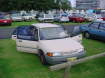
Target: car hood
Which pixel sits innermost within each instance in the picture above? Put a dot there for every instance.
(61, 45)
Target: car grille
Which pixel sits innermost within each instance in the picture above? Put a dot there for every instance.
(69, 53)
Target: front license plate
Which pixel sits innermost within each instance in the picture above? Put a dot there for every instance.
(72, 59)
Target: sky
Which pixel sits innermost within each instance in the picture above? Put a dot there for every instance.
(73, 3)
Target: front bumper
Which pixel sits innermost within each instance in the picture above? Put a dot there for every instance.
(8, 23)
(61, 59)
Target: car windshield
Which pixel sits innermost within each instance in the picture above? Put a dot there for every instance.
(50, 33)
(57, 15)
(16, 15)
(48, 16)
(2, 18)
(5, 17)
(65, 14)
(28, 14)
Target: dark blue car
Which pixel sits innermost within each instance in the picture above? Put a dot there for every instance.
(94, 29)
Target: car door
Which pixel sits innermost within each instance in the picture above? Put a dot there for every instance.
(94, 28)
(102, 30)
(27, 40)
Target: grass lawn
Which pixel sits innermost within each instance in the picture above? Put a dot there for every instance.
(14, 64)
(15, 24)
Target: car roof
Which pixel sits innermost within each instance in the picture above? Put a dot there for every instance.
(100, 21)
(44, 25)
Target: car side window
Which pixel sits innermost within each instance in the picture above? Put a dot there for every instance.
(102, 26)
(41, 16)
(94, 25)
(26, 33)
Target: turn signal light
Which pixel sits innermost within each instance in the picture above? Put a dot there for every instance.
(49, 54)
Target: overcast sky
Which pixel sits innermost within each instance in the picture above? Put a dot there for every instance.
(73, 3)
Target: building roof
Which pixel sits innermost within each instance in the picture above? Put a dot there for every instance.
(43, 25)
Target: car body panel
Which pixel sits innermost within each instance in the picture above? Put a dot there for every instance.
(61, 18)
(76, 19)
(67, 47)
(16, 17)
(5, 21)
(46, 18)
(94, 31)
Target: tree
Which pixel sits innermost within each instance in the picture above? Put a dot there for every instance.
(44, 5)
(66, 5)
(63, 4)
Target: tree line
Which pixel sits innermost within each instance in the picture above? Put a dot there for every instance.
(8, 5)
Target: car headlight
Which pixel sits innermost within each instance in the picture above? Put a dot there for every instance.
(54, 54)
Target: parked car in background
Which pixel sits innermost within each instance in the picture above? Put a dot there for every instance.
(98, 17)
(5, 20)
(28, 17)
(76, 18)
(61, 18)
(45, 18)
(50, 42)
(16, 17)
(103, 17)
(94, 29)
(90, 17)
(33, 15)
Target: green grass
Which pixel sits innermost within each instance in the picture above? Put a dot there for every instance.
(14, 64)
(15, 24)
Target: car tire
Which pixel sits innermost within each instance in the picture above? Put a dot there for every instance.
(42, 58)
(87, 35)
(9, 24)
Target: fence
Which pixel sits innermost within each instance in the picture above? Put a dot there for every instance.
(69, 64)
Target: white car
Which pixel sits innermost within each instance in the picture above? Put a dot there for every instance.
(98, 17)
(89, 17)
(16, 17)
(28, 17)
(46, 18)
(61, 18)
(50, 41)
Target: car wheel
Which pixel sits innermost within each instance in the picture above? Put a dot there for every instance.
(87, 35)
(9, 24)
(42, 58)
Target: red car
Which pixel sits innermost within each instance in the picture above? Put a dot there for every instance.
(75, 18)
(5, 21)
(103, 18)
